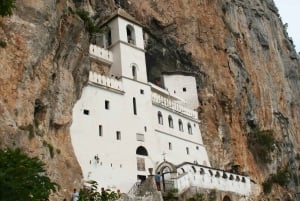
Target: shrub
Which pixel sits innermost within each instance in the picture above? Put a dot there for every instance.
(91, 193)
(23, 178)
(6, 7)
(50, 147)
(262, 143)
(282, 178)
(88, 22)
(3, 44)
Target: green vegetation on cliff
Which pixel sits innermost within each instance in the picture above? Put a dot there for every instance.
(23, 178)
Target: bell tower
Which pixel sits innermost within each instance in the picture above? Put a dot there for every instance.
(124, 38)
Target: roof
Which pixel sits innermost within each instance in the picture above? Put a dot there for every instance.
(179, 73)
(123, 14)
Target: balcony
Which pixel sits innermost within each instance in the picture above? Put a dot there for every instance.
(106, 82)
(101, 54)
(172, 105)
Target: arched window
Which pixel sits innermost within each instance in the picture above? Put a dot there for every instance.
(180, 125)
(141, 151)
(194, 169)
(130, 34)
(133, 69)
(170, 119)
(190, 128)
(202, 171)
(226, 198)
(160, 118)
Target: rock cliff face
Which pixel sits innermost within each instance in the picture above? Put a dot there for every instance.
(246, 65)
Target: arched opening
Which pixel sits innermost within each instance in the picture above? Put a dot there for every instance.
(217, 174)
(170, 119)
(180, 125)
(130, 34)
(160, 118)
(107, 37)
(194, 169)
(202, 171)
(226, 198)
(141, 151)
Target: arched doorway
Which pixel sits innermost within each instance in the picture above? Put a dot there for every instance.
(226, 198)
(166, 170)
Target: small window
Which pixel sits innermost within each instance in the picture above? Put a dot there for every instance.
(180, 125)
(142, 91)
(118, 135)
(106, 104)
(134, 106)
(160, 118)
(100, 130)
(190, 131)
(133, 68)
(86, 112)
(187, 151)
(170, 119)
(170, 146)
(184, 89)
(197, 148)
(145, 128)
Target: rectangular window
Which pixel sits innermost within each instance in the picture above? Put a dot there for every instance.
(140, 137)
(170, 146)
(142, 91)
(100, 130)
(86, 112)
(134, 106)
(187, 151)
(106, 104)
(141, 164)
(184, 89)
(118, 135)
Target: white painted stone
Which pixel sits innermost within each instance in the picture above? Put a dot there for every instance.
(108, 103)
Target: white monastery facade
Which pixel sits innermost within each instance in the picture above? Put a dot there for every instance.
(123, 126)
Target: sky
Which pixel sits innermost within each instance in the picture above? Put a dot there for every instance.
(289, 11)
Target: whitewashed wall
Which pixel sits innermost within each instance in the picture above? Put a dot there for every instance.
(175, 84)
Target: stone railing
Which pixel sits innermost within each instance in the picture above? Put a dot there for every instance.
(210, 178)
(168, 103)
(101, 53)
(107, 82)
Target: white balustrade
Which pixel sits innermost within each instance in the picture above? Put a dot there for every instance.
(209, 178)
(108, 82)
(101, 53)
(166, 102)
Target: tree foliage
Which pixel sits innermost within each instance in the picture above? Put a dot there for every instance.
(6, 7)
(23, 178)
(91, 193)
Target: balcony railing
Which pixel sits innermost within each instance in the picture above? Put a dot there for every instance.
(101, 54)
(107, 82)
(168, 103)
